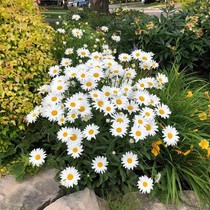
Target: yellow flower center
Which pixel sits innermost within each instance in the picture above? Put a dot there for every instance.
(148, 127)
(107, 93)
(138, 133)
(89, 84)
(119, 130)
(95, 95)
(83, 53)
(83, 75)
(60, 87)
(130, 107)
(144, 58)
(54, 112)
(137, 54)
(161, 111)
(147, 114)
(72, 104)
(129, 160)
(75, 150)
(38, 157)
(100, 164)
(145, 184)
(120, 120)
(91, 131)
(54, 71)
(170, 135)
(73, 137)
(54, 98)
(118, 101)
(140, 121)
(65, 134)
(73, 116)
(81, 109)
(100, 103)
(141, 98)
(70, 176)
(108, 109)
(96, 74)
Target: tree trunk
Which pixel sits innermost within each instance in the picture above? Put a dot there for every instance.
(65, 4)
(100, 5)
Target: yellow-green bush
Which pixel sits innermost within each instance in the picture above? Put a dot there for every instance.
(25, 51)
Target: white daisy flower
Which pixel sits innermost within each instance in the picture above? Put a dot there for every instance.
(66, 62)
(76, 32)
(69, 177)
(37, 157)
(116, 38)
(145, 65)
(44, 89)
(99, 103)
(124, 57)
(170, 135)
(109, 108)
(145, 57)
(121, 118)
(75, 137)
(150, 81)
(151, 127)
(104, 28)
(54, 70)
(91, 131)
(117, 70)
(120, 102)
(129, 160)
(142, 97)
(69, 51)
(99, 164)
(139, 120)
(147, 113)
(72, 103)
(75, 150)
(130, 73)
(136, 54)
(83, 52)
(138, 133)
(84, 108)
(53, 112)
(33, 115)
(61, 120)
(118, 129)
(163, 111)
(64, 134)
(53, 98)
(72, 116)
(161, 78)
(70, 72)
(145, 184)
(132, 107)
(107, 91)
(97, 74)
(96, 56)
(75, 17)
(83, 75)
(89, 84)
(61, 30)
(142, 84)
(154, 100)
(154, 64)
(94, 94)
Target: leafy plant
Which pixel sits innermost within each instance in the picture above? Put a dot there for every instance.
(25, 49)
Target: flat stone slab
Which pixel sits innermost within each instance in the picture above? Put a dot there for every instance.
(30, 194)
(81, 200)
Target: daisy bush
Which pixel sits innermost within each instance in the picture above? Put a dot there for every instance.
(113, 119)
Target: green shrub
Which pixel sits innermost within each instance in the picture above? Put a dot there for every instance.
(25, 51)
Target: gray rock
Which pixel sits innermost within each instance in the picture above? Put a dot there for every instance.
(31, 194)
(81, 200)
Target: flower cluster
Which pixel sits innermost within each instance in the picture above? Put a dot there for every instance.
(104, 98)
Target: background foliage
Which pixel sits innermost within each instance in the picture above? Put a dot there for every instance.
(25, 51)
